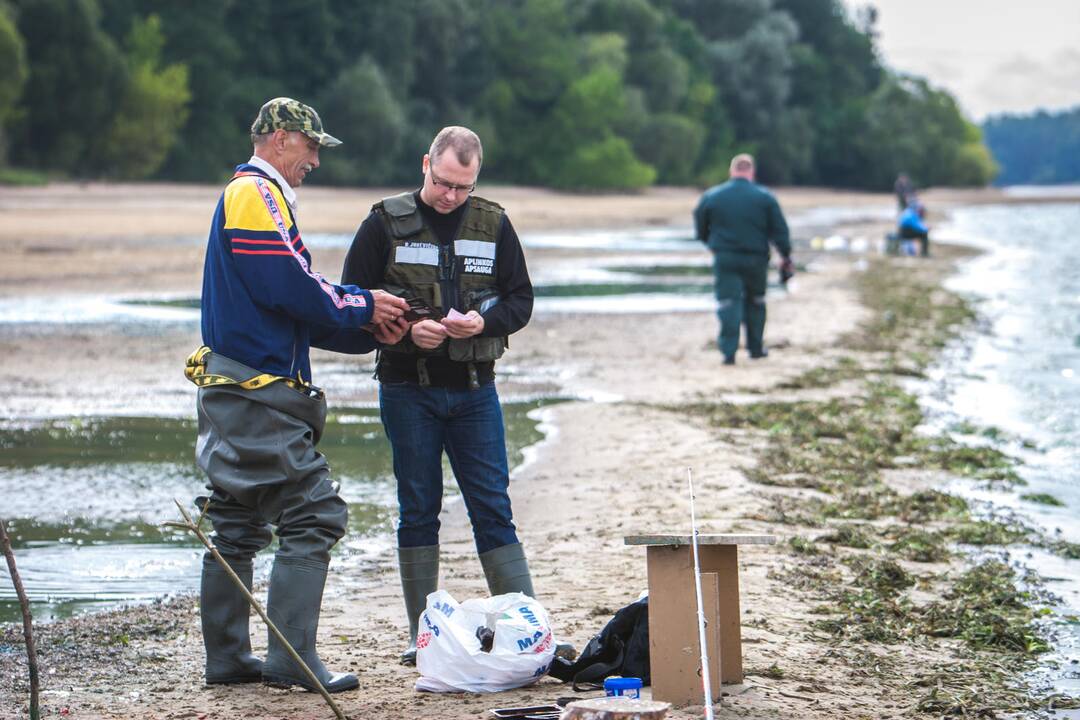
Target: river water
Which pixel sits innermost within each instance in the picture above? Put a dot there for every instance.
(1020, 372)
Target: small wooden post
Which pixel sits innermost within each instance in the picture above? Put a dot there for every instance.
(723, 561)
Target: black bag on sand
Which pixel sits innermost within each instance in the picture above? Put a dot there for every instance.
(621, 648)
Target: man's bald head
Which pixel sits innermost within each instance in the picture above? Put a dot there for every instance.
(742, 166)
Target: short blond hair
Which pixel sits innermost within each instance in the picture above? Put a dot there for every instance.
(463, 141)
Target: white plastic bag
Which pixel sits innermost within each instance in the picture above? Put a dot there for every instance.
(448, 651)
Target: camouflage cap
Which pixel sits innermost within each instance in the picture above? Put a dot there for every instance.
(287, 114)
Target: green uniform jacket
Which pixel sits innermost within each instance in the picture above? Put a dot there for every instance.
(741, 217)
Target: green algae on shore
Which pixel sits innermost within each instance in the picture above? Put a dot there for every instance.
(860, 538)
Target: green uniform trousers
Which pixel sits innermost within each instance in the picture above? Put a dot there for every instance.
(741, 282)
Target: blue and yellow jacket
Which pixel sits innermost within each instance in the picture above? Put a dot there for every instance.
(262, 304)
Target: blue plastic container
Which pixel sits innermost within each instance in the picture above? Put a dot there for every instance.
(623, 687)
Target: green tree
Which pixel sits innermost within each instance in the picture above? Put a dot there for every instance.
(587, 151)
(151, 111)
(742, 48)
(608, 163)
(532, 45)
(835, 69)
(359, 100)
(224, 97)
(915, 128)
(672, 144)
(13, 59)
(77, 75)
(1038, 148)
(575, 93)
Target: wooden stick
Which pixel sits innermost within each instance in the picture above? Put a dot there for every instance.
(28, 632)
(196, 528)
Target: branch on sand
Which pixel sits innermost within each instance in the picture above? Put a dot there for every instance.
(195, 527)
(24, 603)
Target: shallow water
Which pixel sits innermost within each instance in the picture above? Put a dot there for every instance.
(84, 499)
(1020, 372)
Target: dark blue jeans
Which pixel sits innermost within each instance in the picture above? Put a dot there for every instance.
(422, 422)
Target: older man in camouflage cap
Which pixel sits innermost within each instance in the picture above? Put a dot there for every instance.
(292, 116)
(260, 418)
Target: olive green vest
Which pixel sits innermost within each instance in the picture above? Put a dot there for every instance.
(418, 266)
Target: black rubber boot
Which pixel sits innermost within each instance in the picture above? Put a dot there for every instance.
(507, 570)
(419, 567)
(293, 605)
(225, 613)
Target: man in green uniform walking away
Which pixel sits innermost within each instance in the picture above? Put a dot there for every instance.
(738, 220)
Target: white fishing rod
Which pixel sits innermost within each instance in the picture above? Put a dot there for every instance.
(707, 685)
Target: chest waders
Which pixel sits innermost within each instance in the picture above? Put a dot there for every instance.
(459, 274)
(257, 437)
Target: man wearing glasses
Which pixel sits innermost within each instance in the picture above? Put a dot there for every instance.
(458, 261)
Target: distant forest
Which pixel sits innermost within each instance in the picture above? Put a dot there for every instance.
(575, 94)
(1038, 149)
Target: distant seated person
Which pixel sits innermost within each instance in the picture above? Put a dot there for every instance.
(913, 228)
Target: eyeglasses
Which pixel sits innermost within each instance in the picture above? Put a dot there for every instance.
(445, 186)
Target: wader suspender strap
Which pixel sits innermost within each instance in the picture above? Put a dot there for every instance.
(195, 371)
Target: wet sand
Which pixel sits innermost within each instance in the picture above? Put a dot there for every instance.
(612, 464)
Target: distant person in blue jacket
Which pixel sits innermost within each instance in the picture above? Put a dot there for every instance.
(738, 221)
(912, 227)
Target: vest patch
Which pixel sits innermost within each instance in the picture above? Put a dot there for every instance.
(480, 266)
(417, 254)
(475, 248)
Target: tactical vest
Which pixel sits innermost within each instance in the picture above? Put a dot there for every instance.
(465, 270)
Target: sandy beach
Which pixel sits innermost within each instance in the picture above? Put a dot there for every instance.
(612, 462)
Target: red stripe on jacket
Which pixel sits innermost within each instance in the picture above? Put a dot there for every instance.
(261, 252)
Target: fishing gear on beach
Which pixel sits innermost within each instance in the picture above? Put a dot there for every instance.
(705, 682)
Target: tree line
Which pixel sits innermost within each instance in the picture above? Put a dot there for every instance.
(1040, 148)
(573, 94)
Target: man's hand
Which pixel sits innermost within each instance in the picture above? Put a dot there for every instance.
(387, 307)
(390, 333)
(428, 334)
(787, 269)
(471, 324)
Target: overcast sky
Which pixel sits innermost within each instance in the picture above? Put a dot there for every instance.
(993, 55)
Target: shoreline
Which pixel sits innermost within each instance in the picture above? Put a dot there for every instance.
(571, 529)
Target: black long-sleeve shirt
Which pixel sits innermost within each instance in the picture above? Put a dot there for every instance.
(365, 265)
